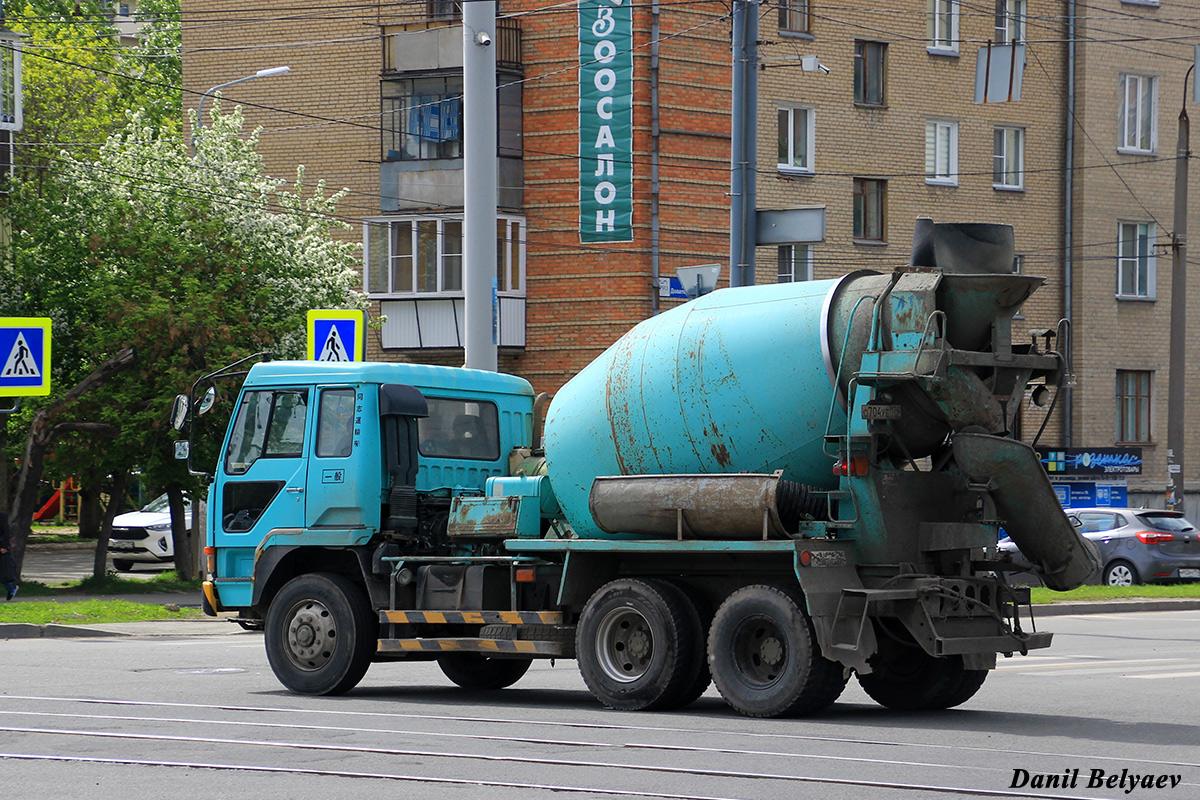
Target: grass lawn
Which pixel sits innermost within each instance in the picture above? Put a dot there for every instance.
(66, 611)
(1043, 595)
(89, 612)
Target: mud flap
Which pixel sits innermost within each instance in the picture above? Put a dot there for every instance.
(1025, 500)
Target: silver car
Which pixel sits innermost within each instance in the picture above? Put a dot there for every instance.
(1141, 545)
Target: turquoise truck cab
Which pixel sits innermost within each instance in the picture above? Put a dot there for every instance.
(321, 459)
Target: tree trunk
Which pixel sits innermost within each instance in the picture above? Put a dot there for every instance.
(181, 535)
(100, 564)
(91, 513)
(41, 434)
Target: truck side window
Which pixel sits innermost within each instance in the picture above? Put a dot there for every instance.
(268, 424)
(285, 436)
(335, 423)
(460, 429)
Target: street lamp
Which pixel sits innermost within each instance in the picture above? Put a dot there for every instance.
(262, 73)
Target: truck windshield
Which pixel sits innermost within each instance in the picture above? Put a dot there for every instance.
(269, 423)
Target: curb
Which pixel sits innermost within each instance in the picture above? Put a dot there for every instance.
(27, 630)
(50, 547)
(1115, 607)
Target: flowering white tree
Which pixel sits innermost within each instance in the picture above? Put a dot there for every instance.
(194, 259)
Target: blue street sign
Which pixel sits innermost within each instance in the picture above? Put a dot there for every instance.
(336, 335)
(24, 356)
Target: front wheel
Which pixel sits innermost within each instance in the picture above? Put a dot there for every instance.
(765, 658)
(320, 634)
(1120, 573)
(483, 673)
(122, 565)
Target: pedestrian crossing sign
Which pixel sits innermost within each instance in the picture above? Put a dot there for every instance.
(24, 356)
(337, 335)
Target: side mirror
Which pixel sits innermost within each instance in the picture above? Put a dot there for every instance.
(207, 402)
(179, 411)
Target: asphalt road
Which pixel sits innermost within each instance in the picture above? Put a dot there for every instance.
(202, 716)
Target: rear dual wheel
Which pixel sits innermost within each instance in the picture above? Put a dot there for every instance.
(640, 646)
(764, 656)
(912, 680)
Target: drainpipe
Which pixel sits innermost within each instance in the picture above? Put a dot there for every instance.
(1069, 217)
(654, 132)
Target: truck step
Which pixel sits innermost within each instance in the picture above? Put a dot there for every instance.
(471, 617)
(468, 645)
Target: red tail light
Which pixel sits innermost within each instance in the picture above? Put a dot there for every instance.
(1153, 537)
(853, 467)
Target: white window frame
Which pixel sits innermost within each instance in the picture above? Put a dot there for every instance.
(1010, 21)
(1137, 129)
(1135, 250)
(1135, 407)
(795, 263)
(942, 27)
(787, 162)
(1003, 139)
(941, 142)
(378, 254)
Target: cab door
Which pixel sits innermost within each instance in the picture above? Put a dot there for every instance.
(263, 473)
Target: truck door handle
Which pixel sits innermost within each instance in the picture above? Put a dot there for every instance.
(295, 489)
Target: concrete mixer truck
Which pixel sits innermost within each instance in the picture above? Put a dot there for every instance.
(769, 488)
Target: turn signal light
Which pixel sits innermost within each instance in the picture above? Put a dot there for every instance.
(853, 466)
(523, 575)
(1151, 537)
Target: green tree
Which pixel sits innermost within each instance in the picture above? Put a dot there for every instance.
(191, 260)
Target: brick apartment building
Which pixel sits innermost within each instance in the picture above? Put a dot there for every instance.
(847, 160)
(371, 103)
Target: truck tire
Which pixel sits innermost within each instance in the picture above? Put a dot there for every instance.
(636, 644)
(483, 673)
(764, 655)
(700, 615)
(320, 634)
(913, 680)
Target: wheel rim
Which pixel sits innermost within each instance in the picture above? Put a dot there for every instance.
(1120, 575)
(759, 651)
(624, 645)
(311, 633)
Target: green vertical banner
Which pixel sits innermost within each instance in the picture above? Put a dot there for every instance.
(605, 121)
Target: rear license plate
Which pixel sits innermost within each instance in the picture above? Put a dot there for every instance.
(1189, 573)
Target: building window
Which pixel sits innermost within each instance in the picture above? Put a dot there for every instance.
(1135, 260)
(941, 153)
(942, 26)
(1010, 21)
(1133, 406)
(870, 198)
(1138, 114)
(795, 263)
(443, 9)
(422, 118)
(796, 128)
(869, 72)
(795, 16)
(424, 256)
(1008, 158)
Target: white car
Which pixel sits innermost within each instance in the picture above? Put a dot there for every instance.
(145, 536)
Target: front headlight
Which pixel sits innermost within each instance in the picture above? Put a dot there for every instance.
(166, 526)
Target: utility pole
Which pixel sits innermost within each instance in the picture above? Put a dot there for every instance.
(480, 184)
(743, 192)
(1177, 388)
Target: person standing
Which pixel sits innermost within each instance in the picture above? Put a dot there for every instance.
(8, 564)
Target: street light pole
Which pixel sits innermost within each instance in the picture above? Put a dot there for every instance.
(1177, 387)
(262, 73)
